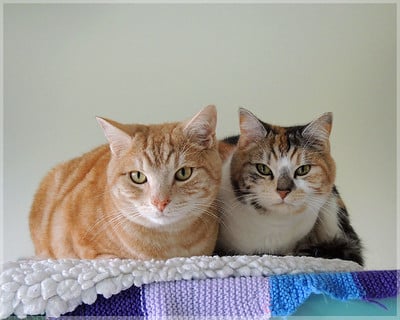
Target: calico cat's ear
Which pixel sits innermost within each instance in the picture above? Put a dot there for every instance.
(201, 128)
(251, 128)
(319, 129)
(118, 139)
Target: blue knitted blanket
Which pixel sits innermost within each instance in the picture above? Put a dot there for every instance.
(250, 297)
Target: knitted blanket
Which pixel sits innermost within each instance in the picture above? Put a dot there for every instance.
(242, 297)
(198, 286)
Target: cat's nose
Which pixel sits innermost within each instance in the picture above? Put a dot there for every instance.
(160, 204)
(283, 193)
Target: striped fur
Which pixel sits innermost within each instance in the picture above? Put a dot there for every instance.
(90, 207)
(291, 206)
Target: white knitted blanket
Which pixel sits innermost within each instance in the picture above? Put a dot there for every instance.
(55, 287)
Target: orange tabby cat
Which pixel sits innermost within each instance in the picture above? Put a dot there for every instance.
(149, 194)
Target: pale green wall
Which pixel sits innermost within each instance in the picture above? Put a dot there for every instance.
(65, 64)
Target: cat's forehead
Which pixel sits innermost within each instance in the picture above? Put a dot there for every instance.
(159, 145)
(285, 136)
(143, 131)
(282, 142)
(284, 147)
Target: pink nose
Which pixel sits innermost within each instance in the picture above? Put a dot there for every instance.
(160, 204)
(283, 193)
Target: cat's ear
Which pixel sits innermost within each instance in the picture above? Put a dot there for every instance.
(318, 131)
(251, 128)
(201, 128)
(117, 138)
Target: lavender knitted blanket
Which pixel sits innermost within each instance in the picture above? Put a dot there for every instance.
(200, 287)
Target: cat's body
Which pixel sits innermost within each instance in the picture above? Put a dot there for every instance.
(278, 193)
(149, 194)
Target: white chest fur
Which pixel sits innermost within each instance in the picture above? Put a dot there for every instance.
(244, 230)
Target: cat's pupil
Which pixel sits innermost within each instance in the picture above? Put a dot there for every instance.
(263, 169)
(138, 177)
(183, 173)
(303, 170)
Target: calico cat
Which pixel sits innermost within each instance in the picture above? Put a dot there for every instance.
(278, 193)
(149, 194)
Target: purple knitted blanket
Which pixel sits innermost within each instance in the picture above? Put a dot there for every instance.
(254, 297)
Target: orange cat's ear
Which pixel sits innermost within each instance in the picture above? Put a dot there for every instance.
(201, 128)
(251, 128)
(118, 139)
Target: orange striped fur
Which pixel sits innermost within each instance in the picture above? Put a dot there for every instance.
(93, 206)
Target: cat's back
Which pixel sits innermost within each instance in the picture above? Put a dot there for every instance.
(65, 176)
(70, 179)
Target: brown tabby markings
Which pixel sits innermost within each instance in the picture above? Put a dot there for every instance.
(87, 207)
(278, 194)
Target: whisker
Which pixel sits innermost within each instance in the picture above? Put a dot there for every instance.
(109, 219)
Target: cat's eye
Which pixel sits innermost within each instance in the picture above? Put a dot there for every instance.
(138, 177)
(263, 169)
(183, 173)
(302, 170)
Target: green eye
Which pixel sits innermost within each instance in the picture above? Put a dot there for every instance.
(183, 173)
(263, 169)
(303, 170)
(138, 177)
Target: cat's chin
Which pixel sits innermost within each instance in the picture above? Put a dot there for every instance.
(158, 221)
(286, 208)
(164, 220)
